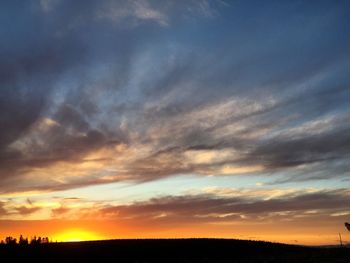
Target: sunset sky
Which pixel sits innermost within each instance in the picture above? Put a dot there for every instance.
(163, 119)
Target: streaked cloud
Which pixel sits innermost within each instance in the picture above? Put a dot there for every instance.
(218, 205)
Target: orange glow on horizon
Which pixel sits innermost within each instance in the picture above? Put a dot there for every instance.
(80, 230)
(76, 235)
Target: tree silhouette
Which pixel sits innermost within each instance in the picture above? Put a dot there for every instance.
(23, 241)
(35, 240)
(44, 240)
(10, 240)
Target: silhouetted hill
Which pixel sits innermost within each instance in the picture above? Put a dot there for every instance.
(172, 250)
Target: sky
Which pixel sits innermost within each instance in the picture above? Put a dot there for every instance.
(163, 119)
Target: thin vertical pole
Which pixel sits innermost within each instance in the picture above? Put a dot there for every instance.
(341, 242)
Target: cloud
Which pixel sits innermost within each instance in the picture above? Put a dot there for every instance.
(100, 92)
(24, 211)
(213, 207)
(139, 10)
(128, 13)
(11, 209)
(3, 211)
(57, 212)
(48, 5)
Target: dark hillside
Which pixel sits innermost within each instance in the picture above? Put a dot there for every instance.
(172, 250)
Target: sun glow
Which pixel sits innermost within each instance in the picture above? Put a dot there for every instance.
(76, 235)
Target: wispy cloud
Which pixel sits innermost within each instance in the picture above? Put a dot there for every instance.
(216, 207)
(102, 101)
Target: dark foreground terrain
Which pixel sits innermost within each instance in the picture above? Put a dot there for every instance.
(171, 250)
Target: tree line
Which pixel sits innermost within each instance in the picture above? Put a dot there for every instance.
(25, 241)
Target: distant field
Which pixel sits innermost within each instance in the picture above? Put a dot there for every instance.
(172, 250)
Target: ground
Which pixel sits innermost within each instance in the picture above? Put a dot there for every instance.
(173, 250)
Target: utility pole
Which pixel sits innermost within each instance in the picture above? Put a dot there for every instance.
(341, 242)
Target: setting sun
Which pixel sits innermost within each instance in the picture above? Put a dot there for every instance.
(76, 235)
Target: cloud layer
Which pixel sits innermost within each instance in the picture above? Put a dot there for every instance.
(94, 92)
(316, 210)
